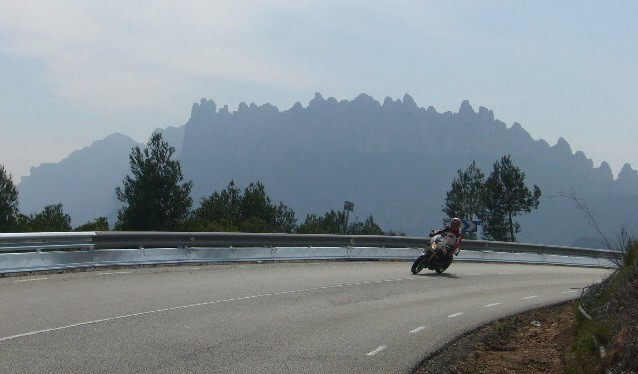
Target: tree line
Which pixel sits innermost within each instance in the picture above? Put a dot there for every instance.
(495, 201)
(155, 197)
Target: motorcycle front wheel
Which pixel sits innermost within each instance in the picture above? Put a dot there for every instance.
(419, 264)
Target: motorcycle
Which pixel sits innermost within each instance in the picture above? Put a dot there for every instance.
(435, 256)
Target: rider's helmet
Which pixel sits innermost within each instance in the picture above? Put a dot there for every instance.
(455, 222)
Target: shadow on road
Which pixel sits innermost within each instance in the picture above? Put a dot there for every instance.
(434, 274)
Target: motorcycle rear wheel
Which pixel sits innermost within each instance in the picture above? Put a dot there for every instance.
(442, 265)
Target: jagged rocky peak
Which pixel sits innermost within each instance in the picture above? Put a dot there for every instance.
(388, 102)
(518, 129)
(580, 155)
(364, 99)
(543, 143)
(224, 110)
(409, 101)
(582, 158)
(204, 108)
(466, 108)
(317, 101)
(604, 171)
(485, 114)
(242, 107)
(627, 173)
(563, 147)
(296, 108)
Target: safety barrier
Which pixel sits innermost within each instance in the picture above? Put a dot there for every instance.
(51, 251)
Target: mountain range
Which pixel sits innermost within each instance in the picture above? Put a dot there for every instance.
(394, 160)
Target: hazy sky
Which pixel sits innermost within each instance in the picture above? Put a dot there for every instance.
(75, 71)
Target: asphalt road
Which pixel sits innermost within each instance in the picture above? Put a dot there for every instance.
(323, 317)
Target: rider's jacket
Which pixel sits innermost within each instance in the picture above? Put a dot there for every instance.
(452, 237)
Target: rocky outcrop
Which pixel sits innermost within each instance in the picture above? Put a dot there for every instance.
(394, 159)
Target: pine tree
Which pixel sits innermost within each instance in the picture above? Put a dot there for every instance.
(8, 202)
(465, 199)
(51, 219)
(154, 196)
(506, 196)
(250, 211)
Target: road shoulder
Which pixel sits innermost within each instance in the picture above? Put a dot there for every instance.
(536, 341)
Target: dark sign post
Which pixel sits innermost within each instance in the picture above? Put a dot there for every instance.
(347, 207)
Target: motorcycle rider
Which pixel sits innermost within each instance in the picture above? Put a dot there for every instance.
(451, 242)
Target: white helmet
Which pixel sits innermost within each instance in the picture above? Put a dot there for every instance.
(455, 222)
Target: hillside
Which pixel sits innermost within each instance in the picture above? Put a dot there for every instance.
(84, 182)
(394, 160)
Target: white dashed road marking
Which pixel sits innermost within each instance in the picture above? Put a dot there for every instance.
(31, 280)
(454, 315)
(528, 297)
(420, 328)
(379, 349)
(491, 305)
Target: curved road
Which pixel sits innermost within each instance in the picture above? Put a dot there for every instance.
(323, 317)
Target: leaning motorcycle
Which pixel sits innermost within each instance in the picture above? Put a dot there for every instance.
(435, 257)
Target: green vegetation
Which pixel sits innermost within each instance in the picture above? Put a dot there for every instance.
(154, 197)
(505, 196)
(8, 202)
(52, 218)
(250, 211)
(334, 222)
(495, 200)
(612, 308)
(98, 224)
(465, 199)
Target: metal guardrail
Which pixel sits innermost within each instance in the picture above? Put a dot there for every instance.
(49, 251)
(45, 241)
(230, 239)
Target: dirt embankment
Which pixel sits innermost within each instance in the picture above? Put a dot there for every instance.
(538, 341)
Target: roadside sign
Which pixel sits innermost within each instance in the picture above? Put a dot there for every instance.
(469, 226)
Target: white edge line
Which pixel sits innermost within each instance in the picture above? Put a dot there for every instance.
(5, 338)
(379, 349)
(31, 280)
